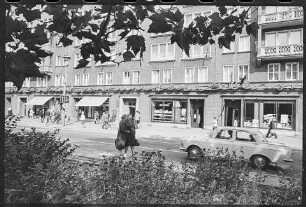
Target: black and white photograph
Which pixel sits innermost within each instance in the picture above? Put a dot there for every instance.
(153, 104)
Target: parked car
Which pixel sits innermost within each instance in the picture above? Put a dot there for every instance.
(252, 142)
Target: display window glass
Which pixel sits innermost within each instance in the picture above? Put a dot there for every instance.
(169, 111)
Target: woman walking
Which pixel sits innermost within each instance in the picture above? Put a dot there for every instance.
(82, 118)
(126, 134)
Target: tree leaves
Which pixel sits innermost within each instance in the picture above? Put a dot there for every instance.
(136, 43)
(222, 10)
(128, 55)
(82, 63)
(159, 24)
(252, 28)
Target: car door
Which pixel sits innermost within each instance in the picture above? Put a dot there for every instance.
(245, 144)
(223, 139)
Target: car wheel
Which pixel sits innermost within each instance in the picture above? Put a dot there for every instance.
(259, 161)
(194, 152)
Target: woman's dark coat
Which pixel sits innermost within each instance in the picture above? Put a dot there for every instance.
(126, 132)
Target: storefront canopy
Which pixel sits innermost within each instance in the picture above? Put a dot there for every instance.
(39, 100)
(91, 101)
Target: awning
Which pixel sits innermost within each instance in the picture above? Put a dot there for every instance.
(39, 100)
(91, 101)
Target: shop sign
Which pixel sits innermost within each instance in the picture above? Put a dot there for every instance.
(64, 99)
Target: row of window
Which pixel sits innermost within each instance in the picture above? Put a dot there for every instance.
(284, 38)
(192, 74)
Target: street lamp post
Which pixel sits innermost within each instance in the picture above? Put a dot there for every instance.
(63, 113)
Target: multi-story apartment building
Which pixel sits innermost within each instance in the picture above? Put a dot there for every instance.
(168, 87)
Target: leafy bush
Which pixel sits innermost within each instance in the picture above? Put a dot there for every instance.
(46, 177)
(27, 151)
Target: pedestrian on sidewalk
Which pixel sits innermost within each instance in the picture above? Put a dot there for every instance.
(31, 114)
(215, 123)
(47, 116)
(9, 112)
(126, 132)
(96, 117)
(82, 118)
(104, 120)
(29, 111)
(137, 119)
(42, 115)
(271, 131)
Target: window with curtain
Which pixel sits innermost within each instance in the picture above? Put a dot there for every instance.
(85, 79)
(57, 80)
(155, 76)
(203, 74)
(77, 79)
(273, 71)
(109, 78)
(136, 77)
(167, 76)
(292, 71)
(126, 77)
(189, 75)
(244, 43)
(101, 78)
(243, 71)
(228, 73)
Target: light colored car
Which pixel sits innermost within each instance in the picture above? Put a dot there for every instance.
(252, 142)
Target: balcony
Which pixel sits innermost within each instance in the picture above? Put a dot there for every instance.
(295, 50)
(45, 68)
(283, 17)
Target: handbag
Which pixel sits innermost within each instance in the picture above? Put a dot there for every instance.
(136, 143)
(119, 143)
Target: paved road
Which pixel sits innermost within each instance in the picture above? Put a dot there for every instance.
(93, 144)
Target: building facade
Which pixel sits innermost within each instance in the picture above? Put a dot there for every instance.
(168, 87)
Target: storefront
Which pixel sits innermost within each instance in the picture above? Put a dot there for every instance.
(39, 103)
(257, 111)
(171, 111)
(90, 104)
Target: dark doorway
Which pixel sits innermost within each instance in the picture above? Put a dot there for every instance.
(197, 113)
(129, 106)
(23, 109)
(232, 113)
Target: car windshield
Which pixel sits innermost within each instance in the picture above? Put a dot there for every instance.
(259, 135)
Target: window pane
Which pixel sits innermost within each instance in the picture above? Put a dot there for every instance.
(288, 71)
(285, 116)
(180, 111)
(283, 38)
(295, 71)
(162, 51)
(170, 50)
(154, 51)
(249, 117)
(296, 37)
(202, 74)
(270, 39)
(155, 76)
(268, 113)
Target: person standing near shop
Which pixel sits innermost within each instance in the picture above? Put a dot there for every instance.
(47, 116)
(215, 123)
(42, 115)
(271, 131)
(31, 114)
(82, 118)
(137, 119)
(9, 111)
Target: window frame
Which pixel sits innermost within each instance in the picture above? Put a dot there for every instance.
(193, 75)
(107, 78)
(233, 69)
(77, 79)
(167, 69)
(133, 77)
(57, 80)
(152, 77)
(167, 57)
(206, 68)
(279, 66)
(101, 78)
(85, 81)
(248, 46)
(125, 78)
(248, 72)
(297, 76)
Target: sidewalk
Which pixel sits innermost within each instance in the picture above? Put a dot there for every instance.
(289, 138)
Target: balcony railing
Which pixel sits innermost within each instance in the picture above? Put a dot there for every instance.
(296, 49)
(293, 14)
(46, 68)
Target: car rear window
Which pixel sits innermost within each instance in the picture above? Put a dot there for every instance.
(224, 134)
(245, 136)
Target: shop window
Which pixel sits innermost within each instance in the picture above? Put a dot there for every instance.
(250, 120)
(269, 111)
(285, 116)
(169, 111)
(163, 111)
